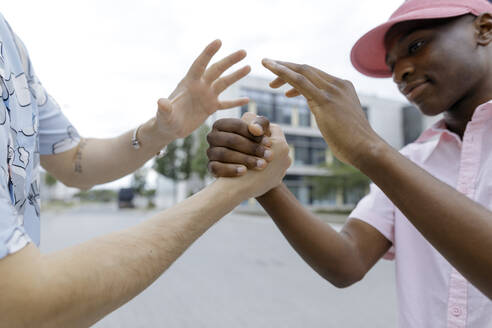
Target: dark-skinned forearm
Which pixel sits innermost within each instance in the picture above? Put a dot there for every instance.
(459, 228)
(328, 252)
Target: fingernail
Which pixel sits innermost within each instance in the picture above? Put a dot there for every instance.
(240, 169)
(257, 129)
(260, 163)
(267, 154)
(266, 141)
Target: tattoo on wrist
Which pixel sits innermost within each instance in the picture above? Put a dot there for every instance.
(78, 156)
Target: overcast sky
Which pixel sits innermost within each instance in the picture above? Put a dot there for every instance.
(107, 62)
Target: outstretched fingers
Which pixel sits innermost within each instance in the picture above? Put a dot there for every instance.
(300, 82)
(292, 93)
(320, 79)
(227, 104)
(217, 69)
(277, 83)
(200, 64)
(322, 76)
(226, 81)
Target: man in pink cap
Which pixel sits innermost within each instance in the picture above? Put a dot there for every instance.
(429, 206)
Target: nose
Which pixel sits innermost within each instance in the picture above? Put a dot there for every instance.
(401, 71)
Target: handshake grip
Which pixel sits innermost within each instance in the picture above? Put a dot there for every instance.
(249, 146)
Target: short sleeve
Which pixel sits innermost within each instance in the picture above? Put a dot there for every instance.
(13, 237)
(378, 211)
(56, 133)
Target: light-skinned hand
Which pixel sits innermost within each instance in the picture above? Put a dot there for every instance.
(197, 95)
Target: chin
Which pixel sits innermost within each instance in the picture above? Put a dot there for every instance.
(430, 108)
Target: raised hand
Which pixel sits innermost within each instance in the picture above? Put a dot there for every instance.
(239, 144)
(335, 105)
(197, 96)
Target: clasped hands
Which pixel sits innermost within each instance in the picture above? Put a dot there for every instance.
(251, 143)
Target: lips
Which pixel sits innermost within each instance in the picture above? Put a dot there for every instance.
(414, 89)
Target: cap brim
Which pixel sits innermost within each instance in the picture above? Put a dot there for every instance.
(369, 53)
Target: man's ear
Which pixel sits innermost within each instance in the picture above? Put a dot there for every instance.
(483, 27)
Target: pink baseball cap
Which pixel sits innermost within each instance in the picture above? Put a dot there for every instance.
(369, 54)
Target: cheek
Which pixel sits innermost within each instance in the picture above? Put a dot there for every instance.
(452, 75)
(455, 64)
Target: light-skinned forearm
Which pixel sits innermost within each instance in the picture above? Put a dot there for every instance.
(105, 160)
(328, 252)
(78, 286)
(97, 161)
(459, 228)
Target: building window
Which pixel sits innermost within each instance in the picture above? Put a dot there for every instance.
(318, 156)
(302, 156)
(319, 149)
(287, 109)
(264, 105)
(353, 194)
(329, 198)
(308, 150)
(299, 187)
(286, 115)
(264, 102)
(278, 108)
(412, 124)
(244, 109)
(304, 116)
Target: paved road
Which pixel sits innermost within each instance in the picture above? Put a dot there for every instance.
(241, 273)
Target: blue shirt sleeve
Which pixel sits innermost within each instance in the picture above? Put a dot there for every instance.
(56, 133)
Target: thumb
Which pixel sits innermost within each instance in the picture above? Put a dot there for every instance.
(257, 125)
(164, 106)
(277, 132)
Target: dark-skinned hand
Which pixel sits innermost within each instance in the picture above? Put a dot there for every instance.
(236, 145)
(335, 105)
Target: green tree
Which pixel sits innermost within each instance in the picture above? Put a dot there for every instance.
(150, 195)
(200, 160)
(139, 180)
(341, 177)
(185, 157)
(168, 165)
(50, 180)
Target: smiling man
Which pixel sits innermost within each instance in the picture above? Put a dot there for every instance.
(429, 206)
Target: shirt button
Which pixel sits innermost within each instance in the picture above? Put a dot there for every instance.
(456, 311)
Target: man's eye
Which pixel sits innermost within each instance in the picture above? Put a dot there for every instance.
(413, 47)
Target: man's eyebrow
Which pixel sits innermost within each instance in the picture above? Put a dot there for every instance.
(409, 33)
(404, 37)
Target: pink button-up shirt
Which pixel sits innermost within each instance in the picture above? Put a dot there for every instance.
(431, 293)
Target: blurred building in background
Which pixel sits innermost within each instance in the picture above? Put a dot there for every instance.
(316, 178)
(397, 122)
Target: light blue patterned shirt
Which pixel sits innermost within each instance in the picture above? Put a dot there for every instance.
(31, 123)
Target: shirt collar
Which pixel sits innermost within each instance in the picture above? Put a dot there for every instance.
(481, 114)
